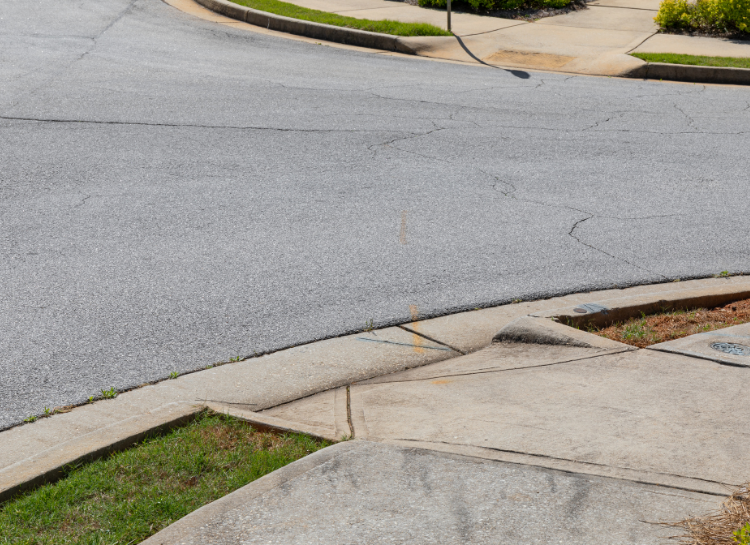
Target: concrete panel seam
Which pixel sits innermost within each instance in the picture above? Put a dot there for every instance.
(405, 327)
(552, 460)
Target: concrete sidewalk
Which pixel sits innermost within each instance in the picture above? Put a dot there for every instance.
(362, 492)
(563, 437)
(596, 40)
(541, 432)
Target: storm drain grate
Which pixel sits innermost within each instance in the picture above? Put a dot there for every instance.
(732, 348)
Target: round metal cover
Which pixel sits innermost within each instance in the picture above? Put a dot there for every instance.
(593, 308)
(732, 348)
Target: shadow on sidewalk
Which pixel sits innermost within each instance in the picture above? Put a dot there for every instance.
(518, 73)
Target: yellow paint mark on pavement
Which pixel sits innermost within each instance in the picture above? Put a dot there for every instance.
(417, 340)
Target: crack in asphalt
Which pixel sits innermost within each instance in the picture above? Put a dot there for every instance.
(510, 194)
(564, 130)
(93, 39)
(595, 125)
(412, 135)
(677, 93)
(401, 138)
(191, 126)
(113, 22)
(573, 236)
(691, 121)
(82, 202)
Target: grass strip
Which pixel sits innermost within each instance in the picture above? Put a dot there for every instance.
(129, 496)
(666, 326)
(693, 60)
(385, 26)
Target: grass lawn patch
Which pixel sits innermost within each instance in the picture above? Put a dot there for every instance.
(386, 26)
(666, 326)
(673, 58)
(130, 495)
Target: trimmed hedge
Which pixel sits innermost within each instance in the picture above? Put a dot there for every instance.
(705, 15)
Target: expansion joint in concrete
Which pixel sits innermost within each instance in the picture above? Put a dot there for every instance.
(349, 411)
(599, 470)
(431, 339)
(523, 368)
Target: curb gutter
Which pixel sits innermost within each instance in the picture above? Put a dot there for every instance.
(31, 458)
(692, 74)
(318, 31)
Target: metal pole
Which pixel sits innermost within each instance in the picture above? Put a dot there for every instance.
(449, 15)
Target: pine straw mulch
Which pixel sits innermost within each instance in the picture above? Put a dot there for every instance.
(666, 326)
(718, 528)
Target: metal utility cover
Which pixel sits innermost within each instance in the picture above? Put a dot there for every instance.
(730, 346)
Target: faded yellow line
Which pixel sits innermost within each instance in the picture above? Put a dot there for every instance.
(417, 340)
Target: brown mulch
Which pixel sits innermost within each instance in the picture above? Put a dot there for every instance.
(657, 328)
(718, 528)
(525, 14)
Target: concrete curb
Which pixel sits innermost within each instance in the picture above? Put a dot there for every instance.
(31, 457)
(386, 42)
(692, 74)
(310, 29)
(49, 465)
(606, 312)
(535, 330)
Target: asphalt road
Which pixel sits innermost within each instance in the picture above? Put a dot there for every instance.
(174, 193)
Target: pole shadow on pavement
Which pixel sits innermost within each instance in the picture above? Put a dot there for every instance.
(518, 73)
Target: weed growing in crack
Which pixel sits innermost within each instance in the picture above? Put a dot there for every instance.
(174, 374)
(369, 326)
(30, 419)
(109, 394)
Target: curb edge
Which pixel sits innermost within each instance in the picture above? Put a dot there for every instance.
(691, 74)
(300, 27)
(50, 465)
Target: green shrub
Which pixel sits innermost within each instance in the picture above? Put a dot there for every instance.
(481, 5)
(705, 15)
(742, 536)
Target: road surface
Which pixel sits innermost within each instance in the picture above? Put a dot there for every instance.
(175, 193)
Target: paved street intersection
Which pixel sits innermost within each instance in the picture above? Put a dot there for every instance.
(174, 193)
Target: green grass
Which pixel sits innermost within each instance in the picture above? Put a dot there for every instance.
(130, 495)
(673, 58)
(385, 26)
